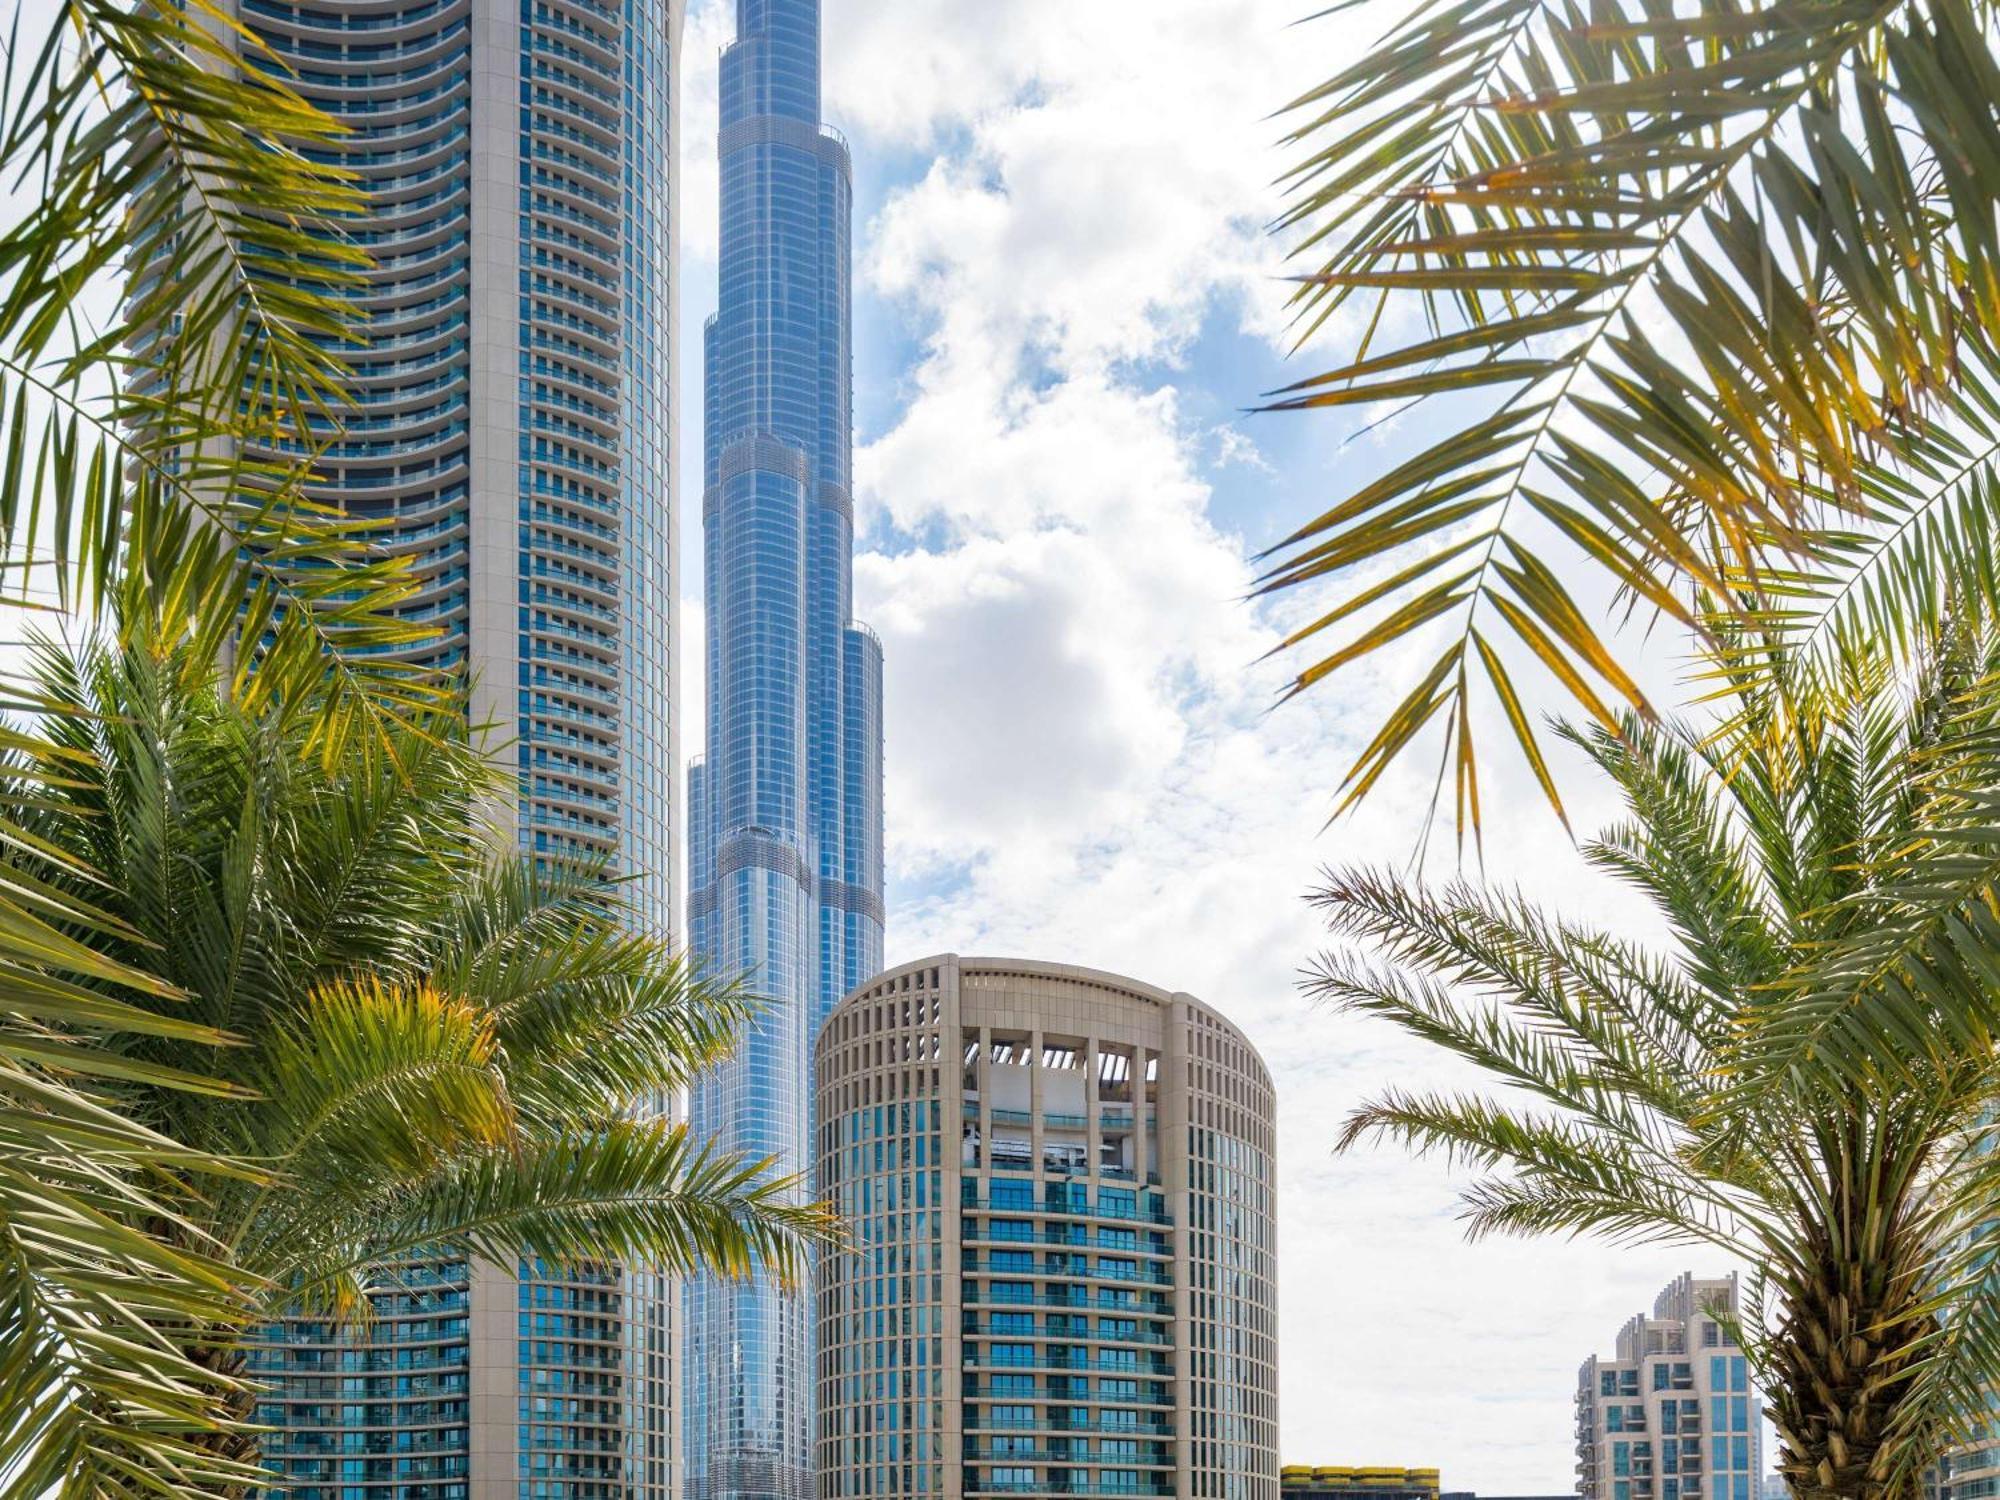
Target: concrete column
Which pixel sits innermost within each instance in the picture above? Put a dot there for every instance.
(1093, 1133)
(1035, 1105)
(1173, 1108)
(493, 1403)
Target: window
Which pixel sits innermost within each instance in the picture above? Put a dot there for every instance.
(1621, 1458)
(1118, 1418)
(1118, 1390)
(1607, 1382)
(1670, 1417)
(1011, 1229)
(1012, 1416)
(1013, 1479)
(1614, 1419)
(1718, 1372)
(1013, 1192)
(1122, 1202)
(1739, 1413)
(1010, 1354)
(1013, 1260)
(1710, 1335)
(1739, 1373)
(1660, 1377)
(1013, 1322)
(1013, 1291)
(1718, 1414)
(1739, 1453)
(1123, 1449)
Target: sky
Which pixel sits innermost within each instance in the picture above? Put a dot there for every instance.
(1066, 297)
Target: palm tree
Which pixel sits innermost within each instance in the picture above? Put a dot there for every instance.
(434, 1042)
(171, 312)
(1702, 304)
(1781, 1082)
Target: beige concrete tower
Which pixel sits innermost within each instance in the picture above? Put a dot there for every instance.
(1062, 1273)
(1672, 1416)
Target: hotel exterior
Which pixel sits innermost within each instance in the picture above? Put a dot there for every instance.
(1061, 1277)
(785, 807)
(513, 431)
(1672, 1415)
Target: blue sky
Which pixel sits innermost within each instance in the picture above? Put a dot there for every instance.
(1065, 299)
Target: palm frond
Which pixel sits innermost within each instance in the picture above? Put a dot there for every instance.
(1700, 293)
(633, 1190)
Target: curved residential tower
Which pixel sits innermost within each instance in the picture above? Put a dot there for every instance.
(1060, 1278)
(512, 433)
(785, 815)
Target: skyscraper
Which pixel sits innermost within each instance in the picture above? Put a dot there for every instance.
(785, 810)
(513, 430)
(1672, 1415)
(1061, 1275)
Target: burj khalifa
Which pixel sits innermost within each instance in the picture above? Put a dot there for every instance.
(785, 807)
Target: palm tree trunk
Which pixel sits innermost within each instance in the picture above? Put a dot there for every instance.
(238, 1443)
(1840, 1368)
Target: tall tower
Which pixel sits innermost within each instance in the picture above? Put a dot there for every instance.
(513, 430)
(785, 810)
(1061, 1272)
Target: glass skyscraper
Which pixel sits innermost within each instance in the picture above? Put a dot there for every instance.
(785, 809)
(512, 429)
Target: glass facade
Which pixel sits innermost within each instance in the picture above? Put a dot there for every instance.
(512, 430)
(785, 807)
(1061, 1272)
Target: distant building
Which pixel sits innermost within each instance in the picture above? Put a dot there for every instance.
(1671, 1416)
(1304, 1482)
(1309, 1482)
(1060, 1272)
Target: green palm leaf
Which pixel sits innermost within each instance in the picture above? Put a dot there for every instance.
(1708, 299)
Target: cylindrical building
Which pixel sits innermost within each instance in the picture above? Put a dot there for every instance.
(1061, 1272)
